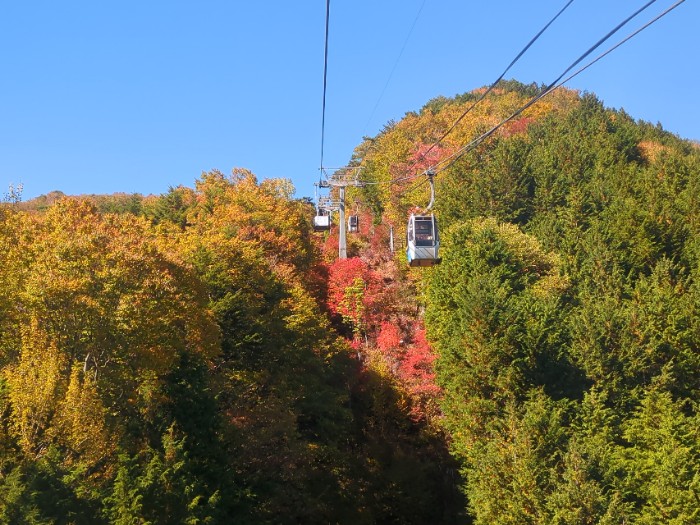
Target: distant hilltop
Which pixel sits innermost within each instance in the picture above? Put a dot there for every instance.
(110, 203)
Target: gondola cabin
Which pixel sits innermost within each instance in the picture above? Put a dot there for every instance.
(422, 241)
(322, 223)
(353, 224)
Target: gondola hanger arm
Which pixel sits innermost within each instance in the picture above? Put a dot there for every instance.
(431, 174)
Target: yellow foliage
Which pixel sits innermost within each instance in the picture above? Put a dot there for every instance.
(310, 327)
(80, 420)
(12, 262)
(98, 291)
(651, 150)
(263, 215)
(34, 390)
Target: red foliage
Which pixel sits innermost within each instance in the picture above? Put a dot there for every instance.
(389, 337)
(365, 222)
(317, 278)
(353, 290)
(342, 274)
(329, 249)
(427, 155)
(417, 363)
(422, 158)
(517, 126)
(417, 374)
(378, 248)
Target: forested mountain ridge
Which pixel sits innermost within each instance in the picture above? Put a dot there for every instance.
(203, 357)
(564, 316)
(174, 365)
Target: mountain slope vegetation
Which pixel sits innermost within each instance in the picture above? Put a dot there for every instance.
(176, 366)
(203, 357)
(564, 317)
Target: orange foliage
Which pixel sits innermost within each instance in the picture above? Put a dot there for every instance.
(651, 150)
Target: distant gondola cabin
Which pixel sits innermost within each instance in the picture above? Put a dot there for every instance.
(422, 241)
(322, 223)
(353, 223)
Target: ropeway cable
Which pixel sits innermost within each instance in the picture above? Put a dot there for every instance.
(483, 95)
(613, 48)
(493, 85)
(325, 84)
(391, 73)
(451, 159)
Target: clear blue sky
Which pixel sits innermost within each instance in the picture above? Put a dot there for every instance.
(126, 96)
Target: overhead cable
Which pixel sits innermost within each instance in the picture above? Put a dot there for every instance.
(548, 89)
(613, 48)
(325, 77)
(391, 73)
(483, 95)
(493, 85)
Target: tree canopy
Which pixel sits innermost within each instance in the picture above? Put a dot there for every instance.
(202, 356)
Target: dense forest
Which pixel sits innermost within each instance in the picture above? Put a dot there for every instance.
(202, 356)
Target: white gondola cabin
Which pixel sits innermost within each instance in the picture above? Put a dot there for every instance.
(322, 222)
(422, 241)
(353, 224)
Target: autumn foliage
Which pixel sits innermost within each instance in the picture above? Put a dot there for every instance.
(179, 365)
(353, 293)
(389, 337)
(203, 356)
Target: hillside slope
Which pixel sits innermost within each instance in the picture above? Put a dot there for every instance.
(176, 366)
(564, 317)
(203, 357)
